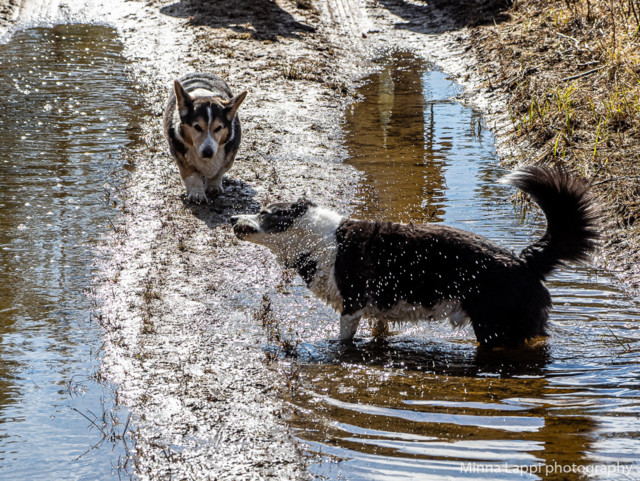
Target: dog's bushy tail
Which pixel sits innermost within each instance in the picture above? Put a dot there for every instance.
(573, 226)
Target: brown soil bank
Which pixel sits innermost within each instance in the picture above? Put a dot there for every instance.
(571, 73)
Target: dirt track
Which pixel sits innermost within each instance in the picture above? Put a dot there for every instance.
(179, 292)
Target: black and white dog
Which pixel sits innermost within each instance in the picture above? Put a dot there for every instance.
(203, 130)
(393, 272)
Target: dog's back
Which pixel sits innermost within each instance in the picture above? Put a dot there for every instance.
(462, 275)
(380, 266)
(207, 81)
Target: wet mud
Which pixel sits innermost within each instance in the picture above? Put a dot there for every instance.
(221, 388)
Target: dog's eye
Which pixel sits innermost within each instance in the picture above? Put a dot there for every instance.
(218, 128)
(197, 127)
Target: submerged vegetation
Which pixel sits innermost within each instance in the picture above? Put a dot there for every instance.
(572, 71)
(272, 325)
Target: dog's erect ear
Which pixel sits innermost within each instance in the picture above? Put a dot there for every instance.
(183, 100)
(301, 206)
(234, 104)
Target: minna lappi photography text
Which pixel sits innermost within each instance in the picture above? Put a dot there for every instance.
(621, 471)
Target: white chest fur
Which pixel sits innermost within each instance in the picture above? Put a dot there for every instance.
(324, 284)
(314, 234)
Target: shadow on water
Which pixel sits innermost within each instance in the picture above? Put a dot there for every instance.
(426, 403)
(66, 115)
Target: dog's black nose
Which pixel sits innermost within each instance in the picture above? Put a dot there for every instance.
(234, 219)
(207, 152)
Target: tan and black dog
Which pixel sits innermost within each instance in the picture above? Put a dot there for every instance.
(203, 130)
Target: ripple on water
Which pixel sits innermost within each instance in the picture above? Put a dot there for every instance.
(67, 110)
(425, 404)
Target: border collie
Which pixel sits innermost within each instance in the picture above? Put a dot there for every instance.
(203, 131)
(390, 272)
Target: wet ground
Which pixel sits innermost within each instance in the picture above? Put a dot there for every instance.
(211, 391)
(61, 162)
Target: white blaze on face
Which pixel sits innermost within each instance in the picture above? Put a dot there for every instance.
(209, 143)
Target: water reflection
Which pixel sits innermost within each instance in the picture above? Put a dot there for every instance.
(67, 110)
(426, 403)
(389, 142)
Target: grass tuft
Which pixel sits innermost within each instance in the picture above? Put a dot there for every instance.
(271, 324)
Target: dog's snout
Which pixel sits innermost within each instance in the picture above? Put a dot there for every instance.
(207, 152)
(243, 227)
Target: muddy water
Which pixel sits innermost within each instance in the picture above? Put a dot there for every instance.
(66, 112)
(425, 404)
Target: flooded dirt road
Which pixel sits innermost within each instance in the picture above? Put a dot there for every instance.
(60, 162)
(211, 392)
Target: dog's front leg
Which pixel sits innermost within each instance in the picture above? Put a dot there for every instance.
(349, 326)
(192, 181)
(214, 185)
(195, 188)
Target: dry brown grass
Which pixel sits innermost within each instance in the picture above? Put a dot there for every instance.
(572, 72)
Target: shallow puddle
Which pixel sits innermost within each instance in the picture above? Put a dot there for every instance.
(425, 404)
(66, 112)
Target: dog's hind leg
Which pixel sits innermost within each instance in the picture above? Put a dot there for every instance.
(349, 325)
(379, 328)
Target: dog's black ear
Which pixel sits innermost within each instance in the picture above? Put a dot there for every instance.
(301, 206)
(234, 104)
(183, 100)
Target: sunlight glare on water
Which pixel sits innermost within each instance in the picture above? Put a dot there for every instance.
(66, 111)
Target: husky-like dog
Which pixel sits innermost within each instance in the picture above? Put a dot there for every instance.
(393, 272)
(203, 130)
